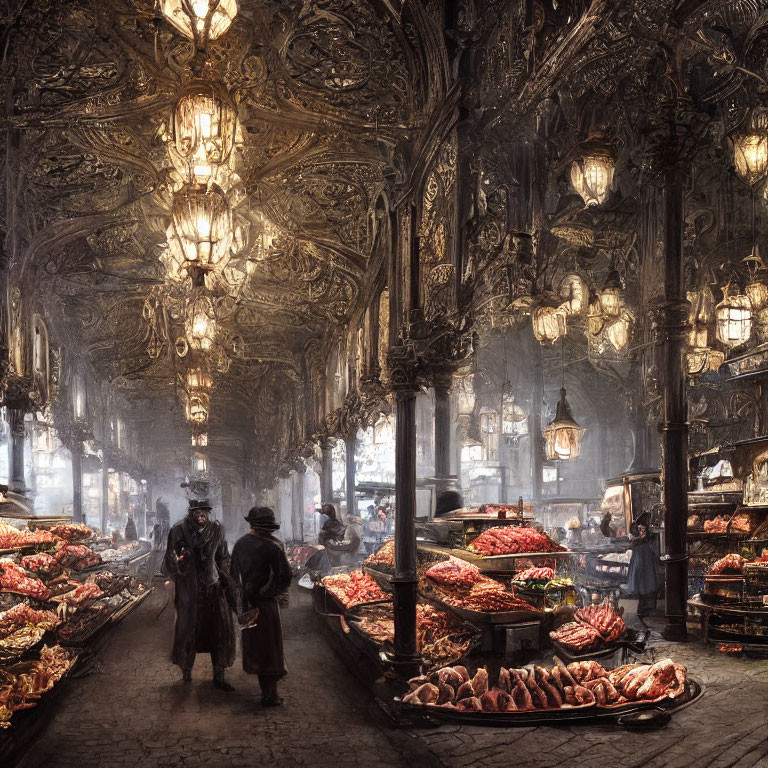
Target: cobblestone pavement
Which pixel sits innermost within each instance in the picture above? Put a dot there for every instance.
(135, 712)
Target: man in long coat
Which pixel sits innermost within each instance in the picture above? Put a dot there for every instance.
(262, 575)
(197, 561)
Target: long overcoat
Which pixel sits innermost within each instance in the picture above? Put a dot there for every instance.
(262, 574)
(198, 563)
(642, 567)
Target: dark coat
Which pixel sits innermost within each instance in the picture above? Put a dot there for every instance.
(262, 574)
(199, 566)
(642, 567)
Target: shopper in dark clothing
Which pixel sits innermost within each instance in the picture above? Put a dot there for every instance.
(130, 530)
(262, 575)
(197, 561)
(333, 529)
(642, 569)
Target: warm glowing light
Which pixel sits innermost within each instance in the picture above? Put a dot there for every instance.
(612, 296)
(204, 127)
(200, 20)
(592, 170)
(750, 156)
(201, 227)
(562, 438)
(200, 440)
(549, 323)
(198, 406)
(201, 324)
(618, 331)
(734, 317)
(199, 379)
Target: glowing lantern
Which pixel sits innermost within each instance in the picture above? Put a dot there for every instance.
(750, 156)
(200, 440)
(200, 20)
(198, 406)
(619, 330)
(199, 379)
(575, 293)
(201, 323)
(204, 121)
(562, 438)
(201, 227)
(549, 323)
(592, 170)
(734, 317)
(466, 396)
(612, 296)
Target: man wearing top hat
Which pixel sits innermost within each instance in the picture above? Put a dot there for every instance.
(197, 561)
(262, 575)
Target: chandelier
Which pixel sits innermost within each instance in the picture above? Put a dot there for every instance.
(200, 323)
(204, 126)
(201, 227)
(592, 169)
(200, 20)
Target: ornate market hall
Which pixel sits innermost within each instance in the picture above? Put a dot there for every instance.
(384, 383)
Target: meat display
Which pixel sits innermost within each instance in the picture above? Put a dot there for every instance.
(510, 540)
(77, 556)
(11, 538)
(489, 596)
(540, 688)
(605, 619)
(531, 574)
(42, 565)
(577, 635)
(13, 578)
(80, 594)
(384, 556)
(22, 614)
(354, 588)
(454, 572)
(739, 524)
(728, 564)
(73, 531)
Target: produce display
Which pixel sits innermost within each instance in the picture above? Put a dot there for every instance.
(13, 538)
(22, 685)
(384, 556)
(730, 564)
(353, 588)
(13, 578)
(510, 540)
(454, 573)
(77, 556)
(532, 688)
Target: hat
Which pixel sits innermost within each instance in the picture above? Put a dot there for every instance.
(195, 504)
(262, 518)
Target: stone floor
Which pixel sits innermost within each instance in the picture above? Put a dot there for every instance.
(135, 712)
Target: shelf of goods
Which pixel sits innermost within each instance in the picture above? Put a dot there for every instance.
(56, 595)
(732, 607)
(547, 693)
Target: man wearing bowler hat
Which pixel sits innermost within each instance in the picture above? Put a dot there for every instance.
(262, 575)
(197, 561)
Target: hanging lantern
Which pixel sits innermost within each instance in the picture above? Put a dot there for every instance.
(618, 331)
(514, 422)
(198, 408)
(734, 317)
(699, 360)
(201, 227)
(592, 170)
(200, 440)
(204, 124)
(757, 288)
(200, 20)
(575, 293)
(562, 438)
(199, 379)
(473, 437)
(612, 295)
(750, 156)
(201, 323)
(549, 323)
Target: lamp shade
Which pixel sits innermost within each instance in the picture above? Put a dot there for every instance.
(562, 438)
(750, 156)
(198, 408)
(204, 125)
(733, 317)
(200, 20)
(549, 323)
(201, 226)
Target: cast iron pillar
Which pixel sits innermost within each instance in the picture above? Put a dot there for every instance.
(405, 580)
(16, 450)
(104, 497)
(674, 438)
(77, 482)
(350, 444)
(534, 427)
(442, 385)
(297, 505)
(326, 473)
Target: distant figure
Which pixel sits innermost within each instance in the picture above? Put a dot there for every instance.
(641, 580)
(605, 525)
(447, 502)
(347, 551)
(332, 529)
(130, 530)
(262, 575)
(156, 537)
(197, 561)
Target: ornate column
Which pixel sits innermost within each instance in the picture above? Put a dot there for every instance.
(350, 444)
(326, 472)
(534, 425)
(442, 385)
(76, 452)
(104, 496)
(297, 503)
(16, 479)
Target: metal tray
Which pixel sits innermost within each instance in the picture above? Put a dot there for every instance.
(478, 617)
